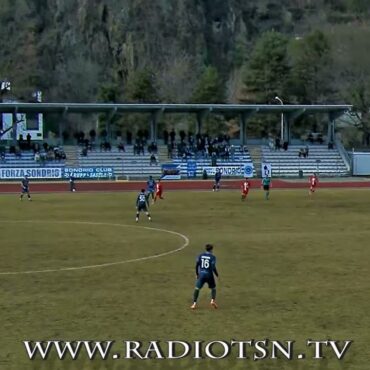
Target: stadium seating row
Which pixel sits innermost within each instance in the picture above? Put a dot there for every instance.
(127, 165)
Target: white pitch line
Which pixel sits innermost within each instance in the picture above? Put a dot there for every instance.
(183, 246)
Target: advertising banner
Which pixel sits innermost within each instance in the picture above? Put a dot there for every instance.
(231, 171)
(32, 173)
(266, 170)
(89, 172)
(171, 171)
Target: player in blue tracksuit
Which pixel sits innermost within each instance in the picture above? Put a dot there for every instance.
(142, 205)
(25, 188)
(205, 269)
(150, 187)
(216, 185)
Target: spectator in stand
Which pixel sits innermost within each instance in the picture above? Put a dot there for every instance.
(301, 153)
(330, 145)
(306, 151)
(36, 147)
(20, 141)
(153, 160)
(214, 159)
(45, 146)
(182, 136)
(277, 143)
(37, 157)
(56, 153)
(106, 146)
(28, 137)
(165, 137)
(141, 148)
(50, 155)
(285, 145)
(87, 144)
(2, 156)
(190, 139)
(320, 140)
(227, 153)
(271, 143)
(172, 136)
(84, 152)
(152, 148)
(121, 147)
(310, 138)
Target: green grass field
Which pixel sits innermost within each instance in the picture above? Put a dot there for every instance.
(292, 268)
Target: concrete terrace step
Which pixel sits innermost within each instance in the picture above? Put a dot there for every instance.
(320, 159)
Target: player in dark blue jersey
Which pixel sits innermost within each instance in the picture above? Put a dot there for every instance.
(72, 185)
(205, 269)
(142, 205)
(25, 188)
(150, 187)
(216, 185)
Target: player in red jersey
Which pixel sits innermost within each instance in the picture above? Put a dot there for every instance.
(313, 180)
(158, 190)
(245, 188)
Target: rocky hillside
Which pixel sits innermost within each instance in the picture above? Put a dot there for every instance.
(73, 49)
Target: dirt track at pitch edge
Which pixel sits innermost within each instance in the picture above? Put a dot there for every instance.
(108, 186)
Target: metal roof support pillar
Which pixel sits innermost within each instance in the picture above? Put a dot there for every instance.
(154, 117)
(242, 135)
(61, 126)
(14, 126)
(286, 128)
(153, 127)
(331, 129)
(154, 124)
(60, 132)
(109, 122)
(198, 129)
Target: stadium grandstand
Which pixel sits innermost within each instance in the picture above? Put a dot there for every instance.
(147, 157)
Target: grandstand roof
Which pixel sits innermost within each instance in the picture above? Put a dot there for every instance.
(15, 107)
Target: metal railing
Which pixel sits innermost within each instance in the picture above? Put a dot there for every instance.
(343, 153)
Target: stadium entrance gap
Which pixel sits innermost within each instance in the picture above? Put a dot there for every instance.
(289, 112)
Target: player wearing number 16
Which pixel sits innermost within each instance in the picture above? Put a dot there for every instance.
(205, 269)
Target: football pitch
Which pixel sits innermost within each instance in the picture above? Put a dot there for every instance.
(78, 267)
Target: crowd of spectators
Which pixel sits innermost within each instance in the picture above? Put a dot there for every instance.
(303, 152)
(198, 146)
(48, 153)
(41, 152)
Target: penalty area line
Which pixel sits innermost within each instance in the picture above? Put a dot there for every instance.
(108, 264)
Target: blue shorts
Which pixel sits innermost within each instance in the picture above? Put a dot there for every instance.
(142, 207)
(25, 190)
(206, 278)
